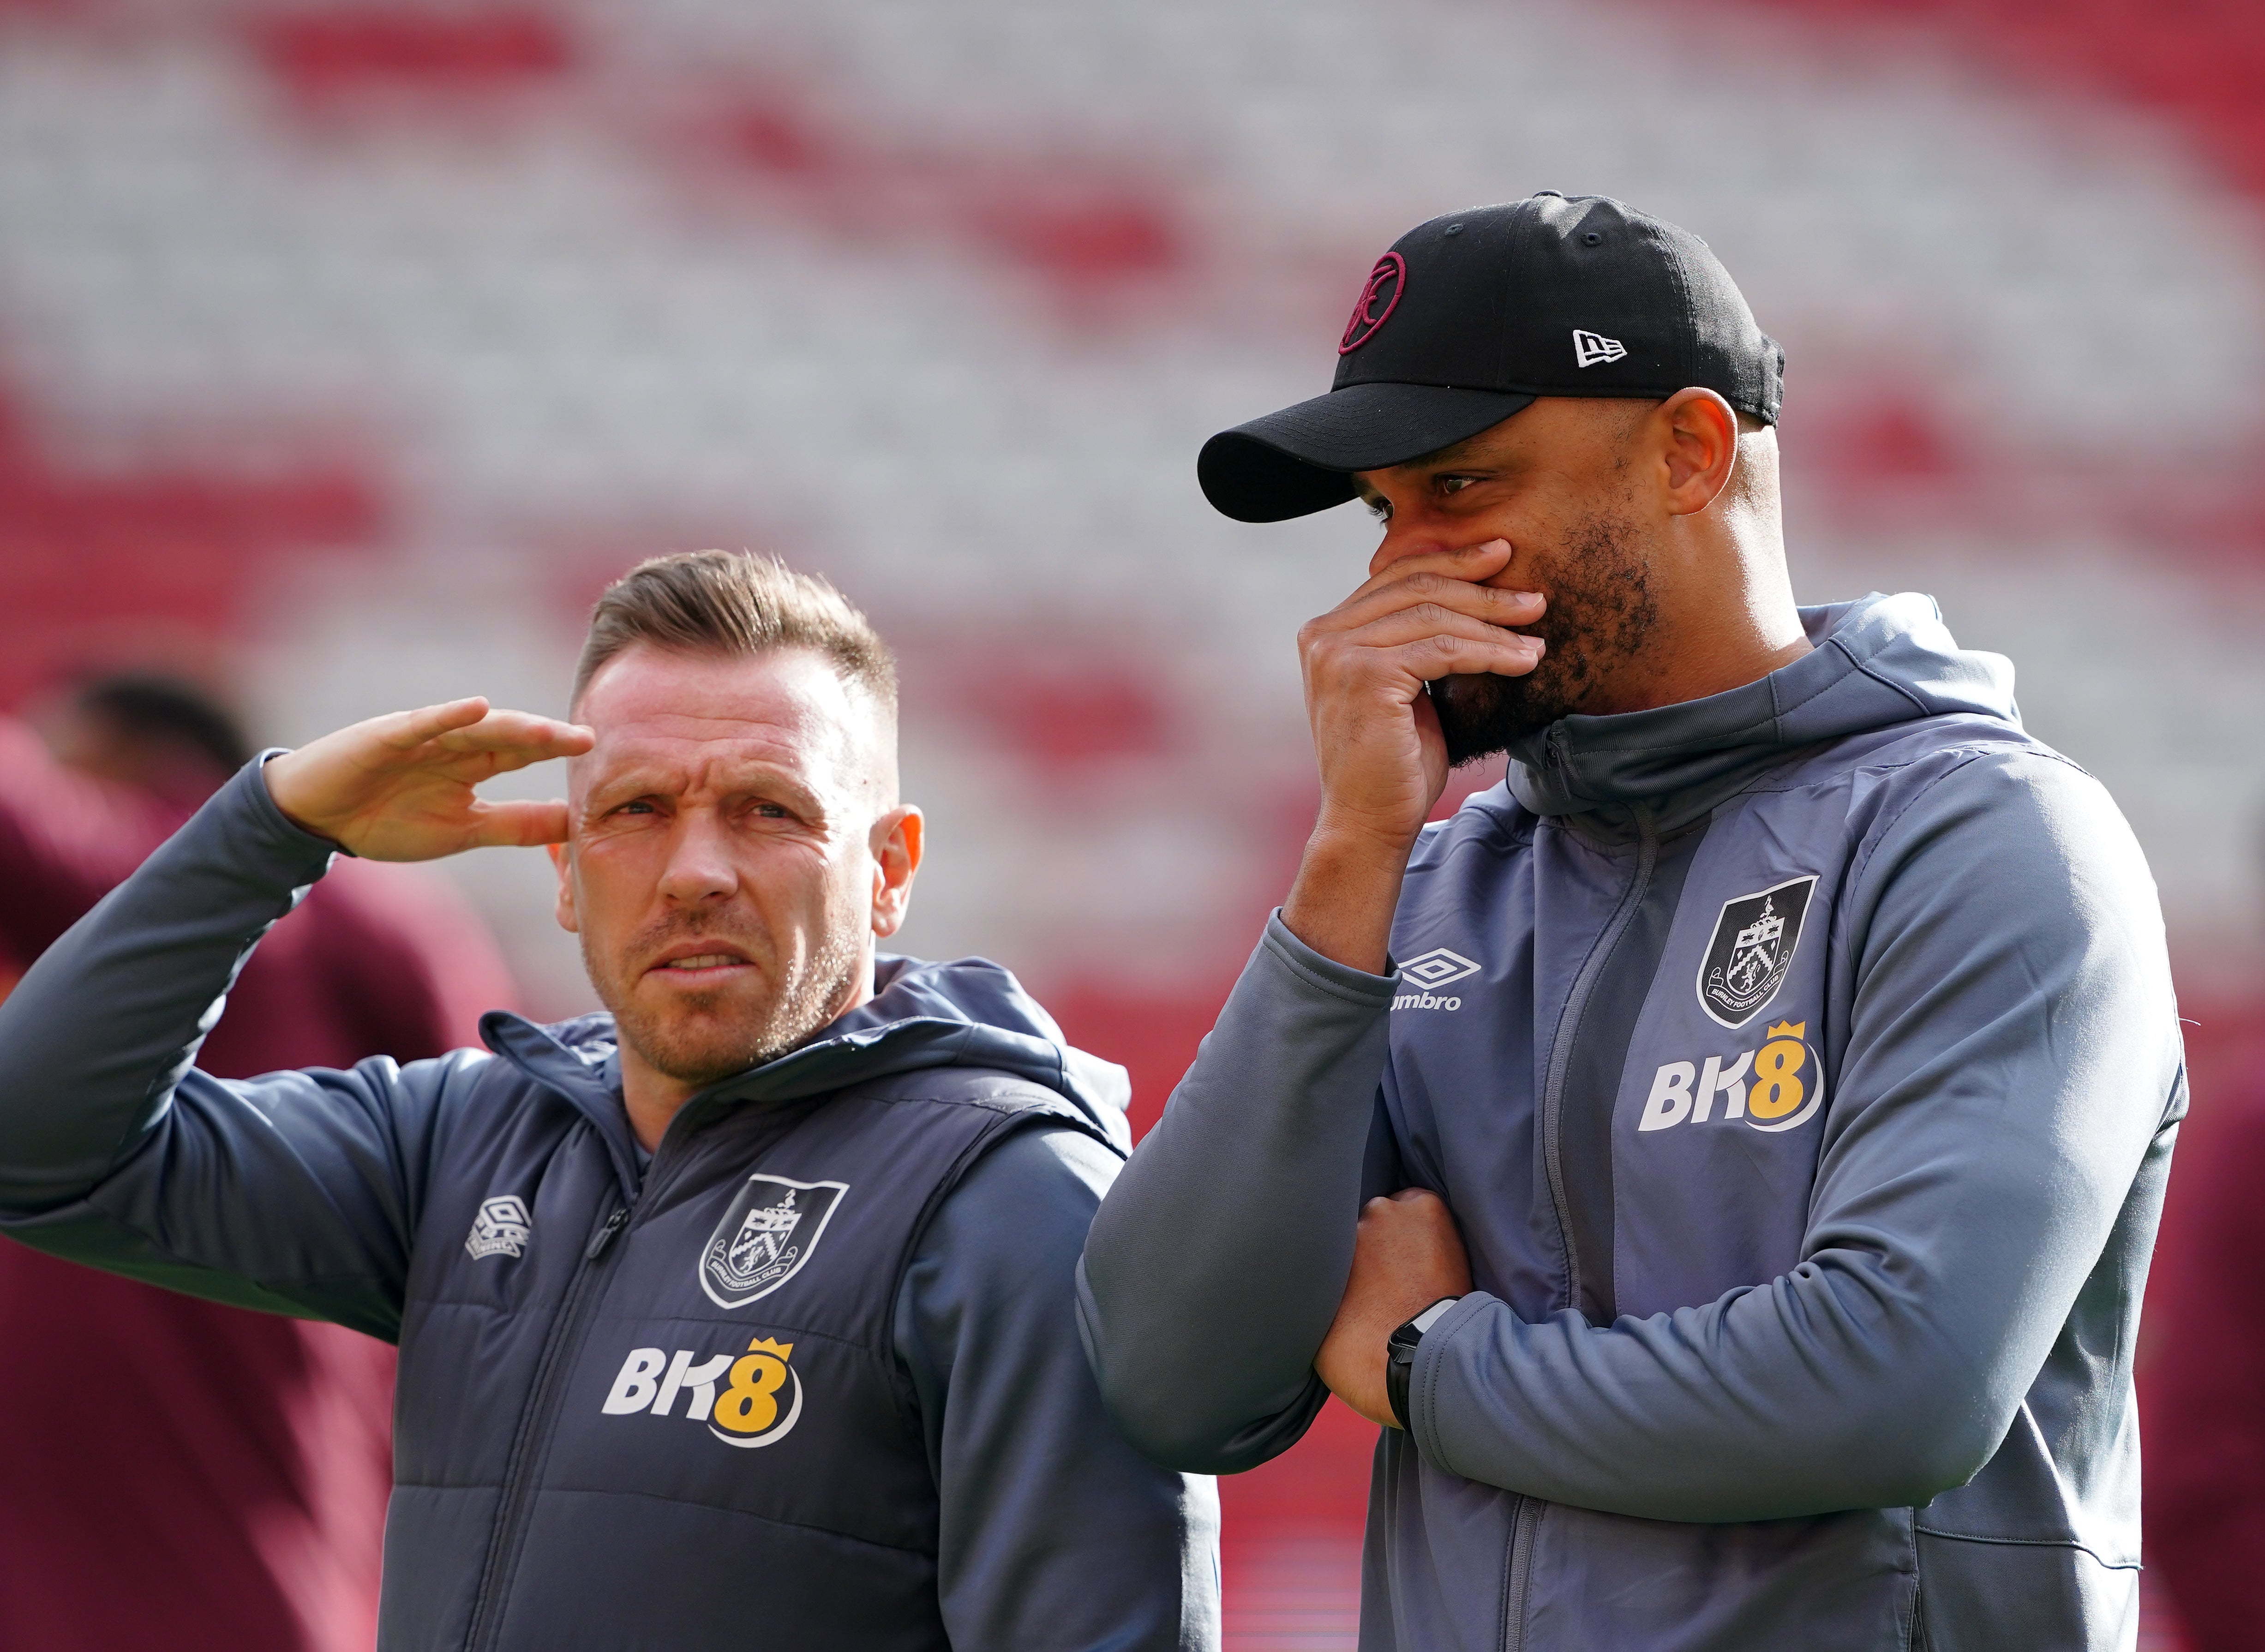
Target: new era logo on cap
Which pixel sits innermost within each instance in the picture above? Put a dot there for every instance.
(1590, 348)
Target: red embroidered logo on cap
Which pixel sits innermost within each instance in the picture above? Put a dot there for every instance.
(1386, 283)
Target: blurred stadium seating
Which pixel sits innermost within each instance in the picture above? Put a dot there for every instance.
(345, 349)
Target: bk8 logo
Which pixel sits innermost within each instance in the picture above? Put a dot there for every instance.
(746, 1412)
(1773, 1088)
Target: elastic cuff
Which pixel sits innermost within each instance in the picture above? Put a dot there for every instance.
(1423, 1382)
(1340, 979)
(252, 798)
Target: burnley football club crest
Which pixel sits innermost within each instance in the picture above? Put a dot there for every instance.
(768, 1230)
(1752, 949)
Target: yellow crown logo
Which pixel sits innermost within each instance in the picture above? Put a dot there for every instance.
(765, 1345)
(1788, 1029)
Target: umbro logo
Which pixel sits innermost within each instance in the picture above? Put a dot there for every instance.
(1439, 967)
(501, 1229)
(1590, 348)
(1436, 968)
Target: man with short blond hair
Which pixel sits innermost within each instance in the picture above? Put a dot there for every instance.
(740, 1312)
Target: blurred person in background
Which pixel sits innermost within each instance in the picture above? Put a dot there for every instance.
(740, 1315)
(2205, 1375)
(177, 1473)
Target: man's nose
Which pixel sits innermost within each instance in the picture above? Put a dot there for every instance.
(700, 866)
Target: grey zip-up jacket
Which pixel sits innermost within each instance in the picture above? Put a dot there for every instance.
(1802, 1067)
(809, 1375)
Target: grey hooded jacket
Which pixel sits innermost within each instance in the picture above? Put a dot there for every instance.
(1802, 1067)
(855, 1264)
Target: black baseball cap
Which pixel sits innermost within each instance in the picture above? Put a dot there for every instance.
(1471, 317)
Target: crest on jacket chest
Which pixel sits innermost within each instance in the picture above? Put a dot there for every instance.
(1752, 947)
(768, 1232)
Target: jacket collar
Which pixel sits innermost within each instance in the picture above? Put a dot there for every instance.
(578, 1059)
(967, 1013)
(1876, 661)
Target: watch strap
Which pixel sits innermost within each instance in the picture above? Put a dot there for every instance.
(1399, 1366)
(1400, 1356)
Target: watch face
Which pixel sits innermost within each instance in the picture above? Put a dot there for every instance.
(1432, 1315)
(1408, 1335)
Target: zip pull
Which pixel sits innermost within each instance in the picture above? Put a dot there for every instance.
(606, 1234)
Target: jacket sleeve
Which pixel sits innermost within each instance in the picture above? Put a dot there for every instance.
(296, 1192)
(2013, 1054)
(1215, 1267)
(1056, 1535)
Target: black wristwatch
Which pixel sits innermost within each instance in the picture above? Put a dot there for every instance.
(1400, 1354)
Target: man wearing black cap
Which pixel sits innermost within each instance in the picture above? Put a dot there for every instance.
(1725, 1157)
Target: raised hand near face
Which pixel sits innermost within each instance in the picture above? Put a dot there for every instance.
(400, 787)
(1383, 759)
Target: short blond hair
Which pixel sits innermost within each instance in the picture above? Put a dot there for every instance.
(738, 606)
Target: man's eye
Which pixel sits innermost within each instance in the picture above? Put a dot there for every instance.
(1381, 509)
(772, 812)
(1453, 485)
(639, 805)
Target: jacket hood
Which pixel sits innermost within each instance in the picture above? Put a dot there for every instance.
(966, 1013)
(1877, 661)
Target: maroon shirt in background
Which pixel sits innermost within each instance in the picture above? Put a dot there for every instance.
(2205, 1387)
(173, 1474)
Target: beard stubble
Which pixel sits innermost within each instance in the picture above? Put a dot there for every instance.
(1601, 613)
(705, 1041)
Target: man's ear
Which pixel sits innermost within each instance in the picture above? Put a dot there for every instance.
(564, 863)
(897, 842)
(1700, 434)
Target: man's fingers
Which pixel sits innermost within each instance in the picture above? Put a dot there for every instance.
(1464, 561)
(1471, 618)
(1414, 583)
(520, 736)
(1469, 563)
(1436, 657)
(409, 730)
(1424, 646)
(1416, 1206)
(462, 727)
(1429, 619)
(517, 824)
(509, 731)
(1421, 587)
